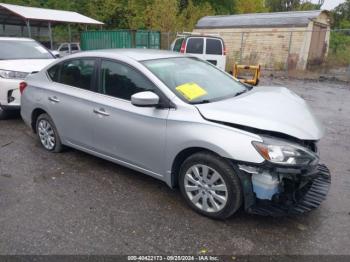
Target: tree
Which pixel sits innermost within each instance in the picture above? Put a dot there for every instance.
(250, 6)
(191, 14)
(282, 5)
(293, 5)
(341, 15)
(137, 17)
(162, 15)
(307, 5)
(220, 7)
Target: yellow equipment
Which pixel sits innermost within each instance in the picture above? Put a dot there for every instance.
(237, 69)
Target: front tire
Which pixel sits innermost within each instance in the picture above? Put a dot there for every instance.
(47, 134)
(210, 185)
(3, 114)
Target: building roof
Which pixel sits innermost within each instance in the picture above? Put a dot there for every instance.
(16, 15)
(279, 19)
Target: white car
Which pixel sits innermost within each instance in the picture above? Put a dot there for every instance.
(206, 47)
(68, 48)
(18, 58)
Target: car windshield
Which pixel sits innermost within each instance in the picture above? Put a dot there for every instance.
(193, 80)
(11, 49)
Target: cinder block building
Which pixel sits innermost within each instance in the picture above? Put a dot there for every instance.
(292, 40)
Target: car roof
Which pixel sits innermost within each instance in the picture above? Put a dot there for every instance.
(199, 36)
(135, 54)
(15, 39)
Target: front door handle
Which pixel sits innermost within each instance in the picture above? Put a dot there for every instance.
(101, 111)
(54, 99)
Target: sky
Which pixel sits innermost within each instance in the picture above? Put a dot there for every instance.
(330, 4)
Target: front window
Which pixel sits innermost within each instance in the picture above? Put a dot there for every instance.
(194, 80)
(121, 81)
(11, 49)
(63, 48)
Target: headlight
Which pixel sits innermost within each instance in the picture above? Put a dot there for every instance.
(12, 74)
(281, 152)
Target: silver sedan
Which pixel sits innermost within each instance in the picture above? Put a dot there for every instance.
(184, 121)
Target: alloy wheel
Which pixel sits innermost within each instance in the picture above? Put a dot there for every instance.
(46, 134)
(205, 188)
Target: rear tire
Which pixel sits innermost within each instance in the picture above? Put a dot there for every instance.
(47, 134)
(210, 185)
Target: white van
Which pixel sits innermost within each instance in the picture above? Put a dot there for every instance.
(206, 47)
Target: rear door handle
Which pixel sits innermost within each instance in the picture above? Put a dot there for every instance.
(101, 111)
(54, 99)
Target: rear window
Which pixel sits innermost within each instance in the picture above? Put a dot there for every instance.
(74, 47)
(177, 45)
(195, 45)
(213, 47)
(54, 72)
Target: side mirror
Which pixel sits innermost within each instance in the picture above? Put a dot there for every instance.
(56, 54)
(145, 99)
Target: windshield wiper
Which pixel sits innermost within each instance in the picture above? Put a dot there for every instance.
(241, 92)
(204, 101)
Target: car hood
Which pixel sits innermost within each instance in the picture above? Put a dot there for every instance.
(25, 65)
(267, 108)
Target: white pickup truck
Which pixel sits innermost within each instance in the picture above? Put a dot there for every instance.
(68, 48)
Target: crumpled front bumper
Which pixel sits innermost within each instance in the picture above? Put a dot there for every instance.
(303, 200)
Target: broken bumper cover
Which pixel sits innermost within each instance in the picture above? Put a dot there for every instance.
(304, 199)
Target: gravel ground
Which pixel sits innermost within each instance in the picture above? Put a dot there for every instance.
(74, 203)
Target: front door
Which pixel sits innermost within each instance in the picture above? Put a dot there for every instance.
(134, 135)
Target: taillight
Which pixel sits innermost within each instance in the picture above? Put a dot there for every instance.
(225, 50)
(22, 86)
(183, 46)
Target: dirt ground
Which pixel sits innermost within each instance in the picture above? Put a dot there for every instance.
(74, 203)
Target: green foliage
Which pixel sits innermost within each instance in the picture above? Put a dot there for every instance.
(191, 14)
(341, 15)
(175, 15)
(339, 41)
(250, 6)
(339, 53)
(292, 5)
(162, 15)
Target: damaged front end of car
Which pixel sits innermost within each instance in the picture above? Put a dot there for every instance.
(290, 181)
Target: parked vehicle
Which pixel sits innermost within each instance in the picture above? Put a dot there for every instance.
(68, 48)
(207, 47)
(185, 122)
(18, 58)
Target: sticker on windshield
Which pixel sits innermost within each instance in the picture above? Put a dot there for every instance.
(191, 91)
(41, 49)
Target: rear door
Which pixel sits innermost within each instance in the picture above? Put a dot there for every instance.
(214, 52)
(70, 100)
